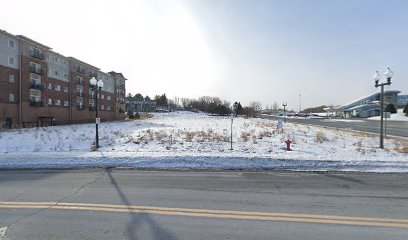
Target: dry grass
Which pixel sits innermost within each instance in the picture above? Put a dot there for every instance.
(360, 134)
(401, 146)
(321, 137)
(264, 133)
(146, 115)
(265, 125)
(189, 136)
(245, 136)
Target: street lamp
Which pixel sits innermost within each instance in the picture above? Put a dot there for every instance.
(96, 86)
(284, 111)
(388, 75)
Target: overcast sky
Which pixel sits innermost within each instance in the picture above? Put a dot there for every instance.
(237, 50)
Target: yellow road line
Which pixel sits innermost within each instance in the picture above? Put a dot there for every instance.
(362, 221)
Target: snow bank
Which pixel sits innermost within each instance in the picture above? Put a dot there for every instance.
(399, 116)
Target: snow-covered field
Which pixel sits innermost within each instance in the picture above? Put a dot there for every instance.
(190, 140)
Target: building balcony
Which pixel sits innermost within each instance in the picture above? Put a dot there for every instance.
(80, 82)
(36, 103)
(80, 107)
(93, 75)
(80, 70)
(35, 85)
(36, 70)
(37, 55)
(80, 94)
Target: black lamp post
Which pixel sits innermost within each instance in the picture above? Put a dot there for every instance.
(284, 111)
(96, 86)
(388, 75)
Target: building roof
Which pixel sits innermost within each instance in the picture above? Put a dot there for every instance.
(367, 96)
(84, 63)
(113, 73)
(7, 33)
(24, 38)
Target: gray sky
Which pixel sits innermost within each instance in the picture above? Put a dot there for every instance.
(234, 49)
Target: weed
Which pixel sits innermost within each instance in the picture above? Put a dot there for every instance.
(321, 137)
(189, 136)
(245, 136)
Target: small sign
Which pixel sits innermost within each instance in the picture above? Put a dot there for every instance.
(280, 124)
(98, 120)
(387, 114)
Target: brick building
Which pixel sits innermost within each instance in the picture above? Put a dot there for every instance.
(39, 87)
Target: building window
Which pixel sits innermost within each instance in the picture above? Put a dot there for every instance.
(58, 87)
(11, 43)
(56, 73)
(49, 101)
(11, 97)
(108, 108)
(11, 61)
(108, 97)
(58, 102)
(66, 103)
(102, 96)
(102, 107)
(49, 86)
(11, 78)
(65, 76)
(66, 89)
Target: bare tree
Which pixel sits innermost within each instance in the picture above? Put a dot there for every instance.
(256, 105)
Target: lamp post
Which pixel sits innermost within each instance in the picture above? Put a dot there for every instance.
(388, 75)
(284, 104)
(232, 121)
(96, 86)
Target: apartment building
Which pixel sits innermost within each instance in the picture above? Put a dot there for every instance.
(40, 87)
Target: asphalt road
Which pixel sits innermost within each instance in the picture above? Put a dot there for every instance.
(394, 128)
(192, 205)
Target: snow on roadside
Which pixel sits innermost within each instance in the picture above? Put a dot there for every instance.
(191, 140)
(399, 116)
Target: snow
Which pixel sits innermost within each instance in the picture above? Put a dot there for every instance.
(399, 116)
(341, 120)
(196, 141)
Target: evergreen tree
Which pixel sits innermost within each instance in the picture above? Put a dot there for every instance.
(138, 97)
(390, 108)
(406, 110)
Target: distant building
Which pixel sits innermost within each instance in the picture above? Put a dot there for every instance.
(367, 106)
(133, 106)
(40, 87)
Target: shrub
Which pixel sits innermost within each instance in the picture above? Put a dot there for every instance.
(406, 110)
(245, 136)
(321, 137)
(189, 136)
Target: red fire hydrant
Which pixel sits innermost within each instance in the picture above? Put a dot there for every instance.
(288, 142)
